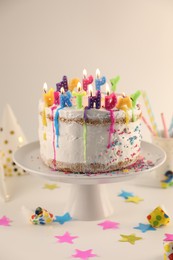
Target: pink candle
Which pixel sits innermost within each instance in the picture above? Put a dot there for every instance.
(110, 99)
(56, 98)
(86, 80)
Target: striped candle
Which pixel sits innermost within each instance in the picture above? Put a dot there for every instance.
(150, 113)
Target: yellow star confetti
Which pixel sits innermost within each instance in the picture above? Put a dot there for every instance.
(134, 199)
(50, 186)
(130, 238)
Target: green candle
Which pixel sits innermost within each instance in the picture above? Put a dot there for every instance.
(79, 96)
(114, 82)
(134, 98)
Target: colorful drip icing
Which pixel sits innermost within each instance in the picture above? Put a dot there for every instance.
(44, 121)
(85, 132)
(56, 124)
(53, 142)
(84, 140)
(111, 129)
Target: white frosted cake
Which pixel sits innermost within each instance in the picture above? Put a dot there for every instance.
(76, 137)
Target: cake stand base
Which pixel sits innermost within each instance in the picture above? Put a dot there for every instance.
(89, 202)
(89, 199)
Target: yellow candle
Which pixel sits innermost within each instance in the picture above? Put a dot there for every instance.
(125, 103)
(48, 96)
(73, 83)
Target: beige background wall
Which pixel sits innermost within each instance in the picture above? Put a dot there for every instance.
(43, 40)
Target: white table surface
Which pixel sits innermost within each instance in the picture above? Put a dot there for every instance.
(22, 240)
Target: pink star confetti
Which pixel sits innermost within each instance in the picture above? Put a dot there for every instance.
(107, 224)
(66, 238)
(4, 221)
(84, 255)
(169, 237)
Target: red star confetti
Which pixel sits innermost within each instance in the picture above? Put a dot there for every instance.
(66, 238)
(107, 224)
(84, 255)
(4, 221)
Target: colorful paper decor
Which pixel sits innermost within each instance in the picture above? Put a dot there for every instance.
(11, 138)
(158, 218)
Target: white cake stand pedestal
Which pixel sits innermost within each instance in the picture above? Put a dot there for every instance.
(89, 199)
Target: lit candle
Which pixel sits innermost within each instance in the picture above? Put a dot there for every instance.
(73, 83)
(110, 99)
(94, 99)
(63, 83)
(86, 80)
(79, 95)
(48, 96)
(99, 81)
(65, 98)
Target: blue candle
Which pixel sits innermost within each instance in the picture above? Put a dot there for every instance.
(99, 81)
(65, 98)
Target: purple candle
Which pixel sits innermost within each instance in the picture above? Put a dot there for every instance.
(94, 99)
(63, 83)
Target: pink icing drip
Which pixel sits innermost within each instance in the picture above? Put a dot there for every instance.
(111, 129)
(53, 142)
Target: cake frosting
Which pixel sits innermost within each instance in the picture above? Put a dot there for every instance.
(89, 139)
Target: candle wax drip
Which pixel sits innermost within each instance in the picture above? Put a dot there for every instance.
(56, 122)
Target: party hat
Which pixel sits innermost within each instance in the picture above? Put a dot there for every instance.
(11, 138)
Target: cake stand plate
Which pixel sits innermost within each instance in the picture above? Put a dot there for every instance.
(89, 199)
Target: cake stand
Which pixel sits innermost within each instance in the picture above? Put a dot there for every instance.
(88, 199)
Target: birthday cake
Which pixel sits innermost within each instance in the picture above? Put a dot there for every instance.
(82, 131)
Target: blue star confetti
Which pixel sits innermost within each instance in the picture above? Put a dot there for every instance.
(145, 227)
(62, 219)
(125, 194)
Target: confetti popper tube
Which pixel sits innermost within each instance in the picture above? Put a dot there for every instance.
(171, 126)
(166, 135)
(150, 113)
(149, 127)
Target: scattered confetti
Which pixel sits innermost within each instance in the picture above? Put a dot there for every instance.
(42, 217)
(66, 238)
(4, 221)
(144, 227)
(50, 186)
(62, 219)
(134, 199)
(125, 194)
(85, 255)
(107, 224)
(169, 237)
(130, 238)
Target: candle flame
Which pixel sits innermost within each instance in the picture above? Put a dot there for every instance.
(123, 94)
(107, 89)
(90, 88)
(98, 73)
(62, 90)
(79, 87)
(84, 73)
(45, 87)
